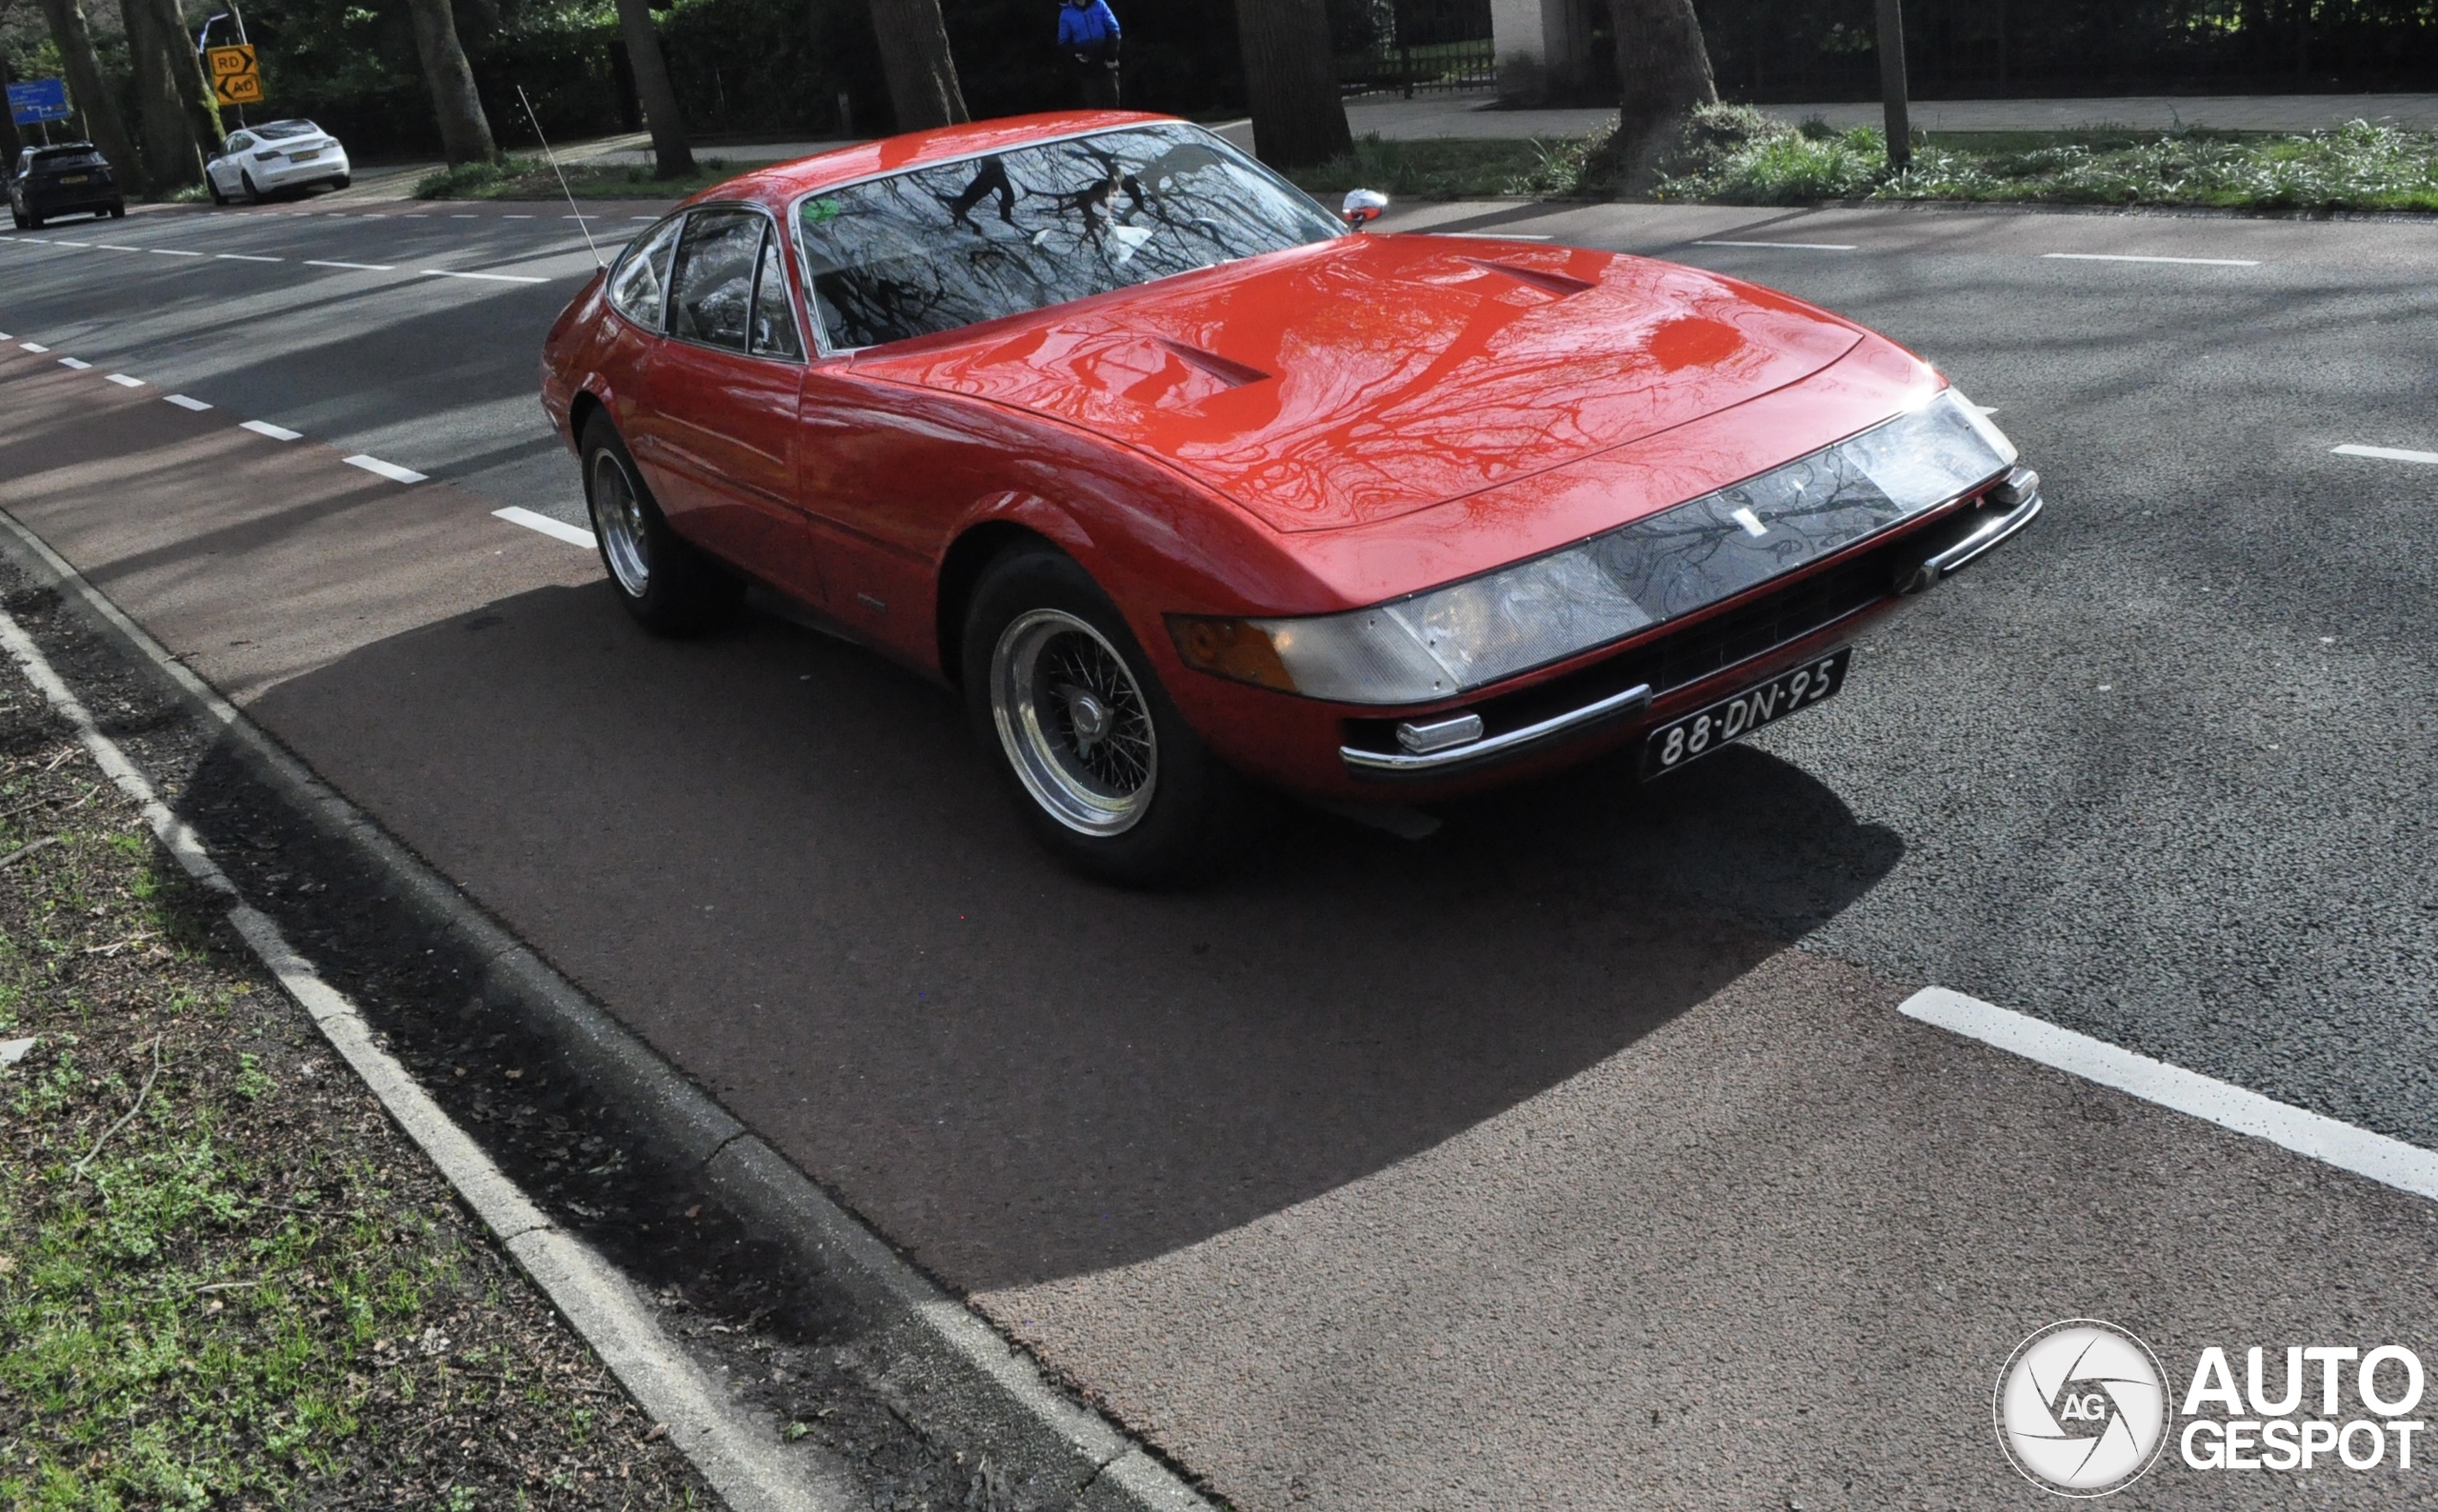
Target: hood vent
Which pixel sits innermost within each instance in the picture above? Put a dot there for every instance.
(1556, 283)
(1234, 374)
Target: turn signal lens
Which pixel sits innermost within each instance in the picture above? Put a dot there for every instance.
(1232, 648)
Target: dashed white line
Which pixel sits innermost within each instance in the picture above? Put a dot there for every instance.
(1800, 246)
(247, 257)
(170, 251)
(360, 268)
(73, 362)
(2126, 258)
(383, 469)
(109, 246)
(556, 530)
(496, 278)
(464, 217)
(72, 244)
(2386, 453)
(183, 401)
(34, 346)
(516, 217)
(2392, 1162)
(264, 427)
(123, 380)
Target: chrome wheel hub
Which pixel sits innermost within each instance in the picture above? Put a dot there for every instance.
(618, 520)
(1074, 722)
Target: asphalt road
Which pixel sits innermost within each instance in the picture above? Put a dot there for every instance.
(1576, 1154)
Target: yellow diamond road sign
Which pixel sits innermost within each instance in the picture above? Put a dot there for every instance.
(235, 78)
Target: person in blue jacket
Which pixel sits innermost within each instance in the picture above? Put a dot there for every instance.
(1088, 29)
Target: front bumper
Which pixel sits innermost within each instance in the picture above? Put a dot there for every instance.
(1651, 678)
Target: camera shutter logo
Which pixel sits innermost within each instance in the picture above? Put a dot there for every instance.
(2082, 1408)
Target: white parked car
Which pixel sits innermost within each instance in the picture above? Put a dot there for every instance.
(259, 161)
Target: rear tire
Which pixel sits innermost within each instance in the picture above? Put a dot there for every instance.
(118, 211)
(254, 192)
(343, 181)
(213, 184)
(1106, 772)
(667, 584)
(18, 218)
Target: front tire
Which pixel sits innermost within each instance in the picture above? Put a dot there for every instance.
(118, 211)
(667, 584)
(1106, 772)
(213, 183)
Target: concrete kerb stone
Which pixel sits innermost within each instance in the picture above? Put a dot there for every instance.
(954, 1377)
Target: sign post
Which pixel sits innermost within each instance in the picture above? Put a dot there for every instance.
(236, 79)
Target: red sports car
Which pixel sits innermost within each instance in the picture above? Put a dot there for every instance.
(1186, 484)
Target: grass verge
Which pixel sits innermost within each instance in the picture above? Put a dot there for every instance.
(1737, 155)
(226, 1278)
(529, 178)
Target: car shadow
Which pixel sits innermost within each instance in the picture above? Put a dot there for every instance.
(782, 861)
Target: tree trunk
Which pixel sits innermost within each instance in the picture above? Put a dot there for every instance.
(465, 130)
(672, 157)
(923, 90)
(171, 160)
(84, 87)
(1664, 71)
(1291, 76)
(195, 98)
(10, 145)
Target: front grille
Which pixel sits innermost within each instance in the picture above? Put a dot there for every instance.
(1672, 658)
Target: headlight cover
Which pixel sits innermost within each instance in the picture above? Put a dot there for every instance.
(1449, 640)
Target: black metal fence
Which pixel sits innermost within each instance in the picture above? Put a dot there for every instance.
(1414, 46)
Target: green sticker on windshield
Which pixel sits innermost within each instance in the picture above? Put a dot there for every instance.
(819, 210)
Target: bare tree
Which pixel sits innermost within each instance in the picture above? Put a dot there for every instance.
(85, 85)
(922, 88)
(465, 130)
(171, 160)
(1291, 75)
(196, 97)
(672, 157)
(10, 146)
(1664, 71)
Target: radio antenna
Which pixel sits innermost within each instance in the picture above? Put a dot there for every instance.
(583, 223)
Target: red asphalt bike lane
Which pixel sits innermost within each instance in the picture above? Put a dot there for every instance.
(1379, 1175)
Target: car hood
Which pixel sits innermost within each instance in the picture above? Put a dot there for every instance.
(1372, 376)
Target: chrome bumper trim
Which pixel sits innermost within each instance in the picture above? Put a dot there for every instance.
(1401, 764)
(1974, 545)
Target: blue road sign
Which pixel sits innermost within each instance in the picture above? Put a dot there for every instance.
(38, 100)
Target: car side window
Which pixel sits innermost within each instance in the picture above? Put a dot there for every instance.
(710, 293)
(774, 314)
(238, 144)
(636, 287)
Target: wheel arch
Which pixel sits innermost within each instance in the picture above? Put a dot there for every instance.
(580, 413)
(968, 556)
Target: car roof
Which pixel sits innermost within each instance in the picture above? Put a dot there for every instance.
(782, 182)
(39, 149)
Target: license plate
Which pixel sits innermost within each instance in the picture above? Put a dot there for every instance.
(76, 178)
(1731, 719)
(301, 157)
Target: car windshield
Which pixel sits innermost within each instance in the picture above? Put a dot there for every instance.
(279, 129)
(939, 248)
(67, 157)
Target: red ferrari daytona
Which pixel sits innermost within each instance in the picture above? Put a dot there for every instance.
(1186, 484)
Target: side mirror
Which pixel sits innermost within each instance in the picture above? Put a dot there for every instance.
(1363, 206)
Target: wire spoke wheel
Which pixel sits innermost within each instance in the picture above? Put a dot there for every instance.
(1074, 722)
(618, 520)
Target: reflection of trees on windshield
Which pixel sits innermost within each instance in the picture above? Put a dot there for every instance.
(907, 255)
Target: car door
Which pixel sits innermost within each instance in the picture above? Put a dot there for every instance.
(715, 431)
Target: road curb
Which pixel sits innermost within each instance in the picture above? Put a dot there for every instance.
(951, 1376)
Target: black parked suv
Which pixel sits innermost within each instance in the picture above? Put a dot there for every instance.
(62, 181)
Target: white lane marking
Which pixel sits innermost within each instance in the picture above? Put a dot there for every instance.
(247, 257)
(411, 215)
(2126, 257)
(264, 427)
(556, 530)
(107, 247)
(72, 244)
(124, 381)
(464, 217)
(71, 362)
(170, 251)
(2386, 454)
(360, 268)
(516, 217)
(185, 403)
(383, 469)
(2392, 1162)
(34, 346)
(1800, 247)
(1751, 523)
(641, 217)
(5, 336)
(1497, 236)
(496, 278)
